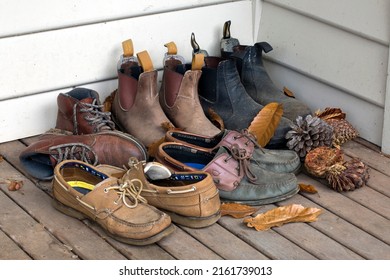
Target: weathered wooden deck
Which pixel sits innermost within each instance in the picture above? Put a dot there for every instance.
(353, 225)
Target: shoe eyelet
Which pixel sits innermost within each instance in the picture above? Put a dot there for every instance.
(105, 190)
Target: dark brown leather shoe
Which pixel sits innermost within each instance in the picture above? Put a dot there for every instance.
(54, 146)
(82, 191)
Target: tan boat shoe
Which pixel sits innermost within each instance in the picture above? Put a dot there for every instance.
(190, 198)
(82, 191)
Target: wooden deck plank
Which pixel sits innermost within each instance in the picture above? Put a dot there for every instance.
(28, 233)
(184, 247)
(344, 232)
(374, 159)
(224, 243)
(310, 239)
(132, 252)
(348, 209)
(73, 233)
(9, 249)
(269, 243)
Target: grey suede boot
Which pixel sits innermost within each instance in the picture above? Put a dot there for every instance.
(259, 85)
(221, 90)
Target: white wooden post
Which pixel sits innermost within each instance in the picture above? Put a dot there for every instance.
(386, 114)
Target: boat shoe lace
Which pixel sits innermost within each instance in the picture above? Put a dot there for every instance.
(243, 159)
(96, 116)
(129, 191)
(77, 151)
(250, 138)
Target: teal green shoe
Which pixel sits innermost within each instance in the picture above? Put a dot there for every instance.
(279, 161)
(237, 178)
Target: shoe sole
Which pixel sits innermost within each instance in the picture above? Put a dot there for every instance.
(140, 242)
(263, 201)
(193, 222)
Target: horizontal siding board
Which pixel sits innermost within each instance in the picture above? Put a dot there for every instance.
(367, 118)
(47, 61)
(364, 17)
(16, 17)
(326, 53)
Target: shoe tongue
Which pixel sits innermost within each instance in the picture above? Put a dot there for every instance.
(106, 182)
(88, 100)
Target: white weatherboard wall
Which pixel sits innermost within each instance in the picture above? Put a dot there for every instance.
(51, 46)
(333, 54)
(329, 53)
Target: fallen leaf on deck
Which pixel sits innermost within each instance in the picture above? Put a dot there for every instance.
(1, 158)
(307, 188)
(265, 123)
(15, 185)
(281, 215)
(216, 119)
(237, 210)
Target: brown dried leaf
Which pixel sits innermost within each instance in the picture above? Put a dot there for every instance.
(168, 126)
(15, 185)
(1, 158)
(265, 123)
(237, 210)
(107, 104)
(307, 188)
(282, 215)
(153, 148)
(288, 92)
(330, 113)
(216, 119)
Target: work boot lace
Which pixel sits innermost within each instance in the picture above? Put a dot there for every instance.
(77, 151)
(130, 188)
(96, 116)
(243, 159)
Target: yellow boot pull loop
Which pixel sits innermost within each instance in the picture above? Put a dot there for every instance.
(127, 47)
(197, 61)
(172, 49)
(145, 61)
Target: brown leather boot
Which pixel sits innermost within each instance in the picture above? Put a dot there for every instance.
(80, 112)
(136, 108)
(179, 96)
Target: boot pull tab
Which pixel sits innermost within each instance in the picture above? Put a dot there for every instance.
(128, 49)
(128, 54)
(197, 61)
(195, 46)
(145, 61)
(172, 53)
(226, 29)
(264, 46)
(227, 42)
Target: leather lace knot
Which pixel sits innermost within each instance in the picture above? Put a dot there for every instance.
(96, 116)
(243, 159)
(77, 151)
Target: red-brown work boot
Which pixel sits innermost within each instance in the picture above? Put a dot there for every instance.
(80, 112)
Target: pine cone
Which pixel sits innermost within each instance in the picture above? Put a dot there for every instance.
(343, 131)
(348, 176)
(308, 133)
(318, 160)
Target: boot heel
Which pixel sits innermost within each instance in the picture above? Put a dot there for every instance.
(67, 210)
